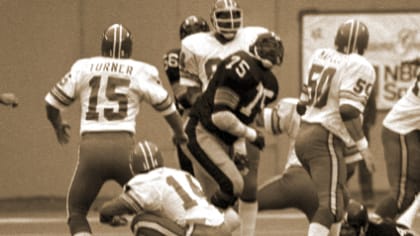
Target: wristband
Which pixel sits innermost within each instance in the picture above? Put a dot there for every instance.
(250, 134)
(362, 144)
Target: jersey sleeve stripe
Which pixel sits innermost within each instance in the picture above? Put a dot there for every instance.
(164, 105)
(227, 97)
(130, 198)
(60, 96)
(354, 97)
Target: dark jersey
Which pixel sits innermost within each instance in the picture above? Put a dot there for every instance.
(240, 85)
(171, 66)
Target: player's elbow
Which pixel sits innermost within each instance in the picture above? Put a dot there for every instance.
(349, 112)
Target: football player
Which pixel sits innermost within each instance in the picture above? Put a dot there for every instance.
(220, 119)
(110, 88)
(333, 98)
(294, 188)
(357, 223)
(165, 201)
(9, 99)
(200, 54)
(191, 25)
(401, 142)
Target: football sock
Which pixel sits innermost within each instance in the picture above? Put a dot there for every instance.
(248, 213)
(316, 229)
(335, 229)
(82, 234)
(407, 218)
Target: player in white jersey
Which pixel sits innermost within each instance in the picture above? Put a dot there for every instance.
(166, 201)
(200, 54)
(334, 94)
(401, 142)
(110, 89)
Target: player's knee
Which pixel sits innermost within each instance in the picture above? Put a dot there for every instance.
(152, 225)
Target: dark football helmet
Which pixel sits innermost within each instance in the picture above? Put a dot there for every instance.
(193, 24)
(226, 18)
(117, 42)
(268, 48)
(145, 157)
(357, 216)
(352, 37)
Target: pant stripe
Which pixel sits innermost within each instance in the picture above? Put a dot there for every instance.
(404, 167)
(334, 174)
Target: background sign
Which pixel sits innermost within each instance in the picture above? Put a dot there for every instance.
(393, 38)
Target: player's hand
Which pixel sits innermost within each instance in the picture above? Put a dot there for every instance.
(118, 221)
(179, 139)
(259, 140)
(9, 99)
(62, 133)
(242, 163)
(368, 159)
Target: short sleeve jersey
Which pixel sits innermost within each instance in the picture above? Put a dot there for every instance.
(335, 79)
(173, 194)
(201, 52)
(110, 92)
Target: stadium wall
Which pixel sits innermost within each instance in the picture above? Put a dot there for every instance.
(42, 38)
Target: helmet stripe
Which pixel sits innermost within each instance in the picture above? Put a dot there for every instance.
(350, 38)
(146, 161)
(356, 33)
(114, 41)
(120, 40)
(150, 155)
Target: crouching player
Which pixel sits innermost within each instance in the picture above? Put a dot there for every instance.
(165, 201)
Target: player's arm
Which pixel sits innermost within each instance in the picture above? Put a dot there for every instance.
(189, 75)
(113, 211)
(171, 65)
(226, 100)
(160, 100)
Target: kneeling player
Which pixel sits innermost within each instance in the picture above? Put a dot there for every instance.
(165, 201)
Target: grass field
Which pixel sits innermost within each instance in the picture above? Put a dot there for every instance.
(47, 217)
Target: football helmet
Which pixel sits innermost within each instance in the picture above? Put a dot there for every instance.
(357, 216)
(193, 24)
(117, 42)
(145, 157)
(226, 18)
(268, 48)
(352, 37)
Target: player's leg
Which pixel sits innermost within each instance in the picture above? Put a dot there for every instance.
(293, 189)
(84, 187)
(213, 156)
(322, 154)
(403, 160)
(153, 225)
(184, 162)
(248, 206)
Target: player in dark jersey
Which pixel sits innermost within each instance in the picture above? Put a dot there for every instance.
(191, 25)
(220, 119)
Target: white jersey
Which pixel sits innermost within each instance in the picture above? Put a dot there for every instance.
(283, 118)
(335, 79)
(173, 194)
(201, 52)
(404, 116)
(110, 92)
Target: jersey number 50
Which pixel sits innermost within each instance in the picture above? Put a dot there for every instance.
(319, 81)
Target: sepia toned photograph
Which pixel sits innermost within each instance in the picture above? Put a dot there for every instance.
(210, 117)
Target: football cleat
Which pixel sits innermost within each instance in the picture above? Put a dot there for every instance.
(226, 18)
(193, 24)
(117, 42)
(352, 37)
